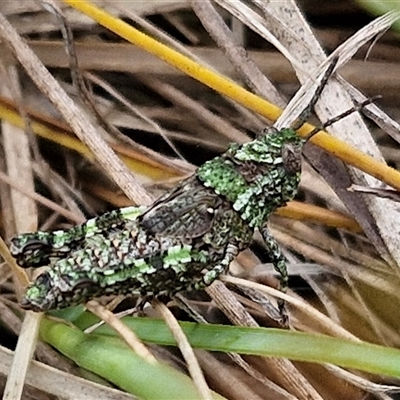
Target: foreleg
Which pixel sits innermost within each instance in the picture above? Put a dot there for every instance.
(279, 262)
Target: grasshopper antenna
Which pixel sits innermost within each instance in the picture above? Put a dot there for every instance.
(305, 114)
(357, 107)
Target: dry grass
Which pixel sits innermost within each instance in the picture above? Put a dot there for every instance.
(162, 123)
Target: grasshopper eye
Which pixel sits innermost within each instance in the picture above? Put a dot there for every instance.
(36, 296)
(291, 156)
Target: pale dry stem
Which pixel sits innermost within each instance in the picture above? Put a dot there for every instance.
(72, 114)
(185, 348)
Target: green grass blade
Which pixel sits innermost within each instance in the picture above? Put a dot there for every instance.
(110, 358)
(269, 342)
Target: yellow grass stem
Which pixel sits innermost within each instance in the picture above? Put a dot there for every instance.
(227, 87)
(140, 165)
(300, 211)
